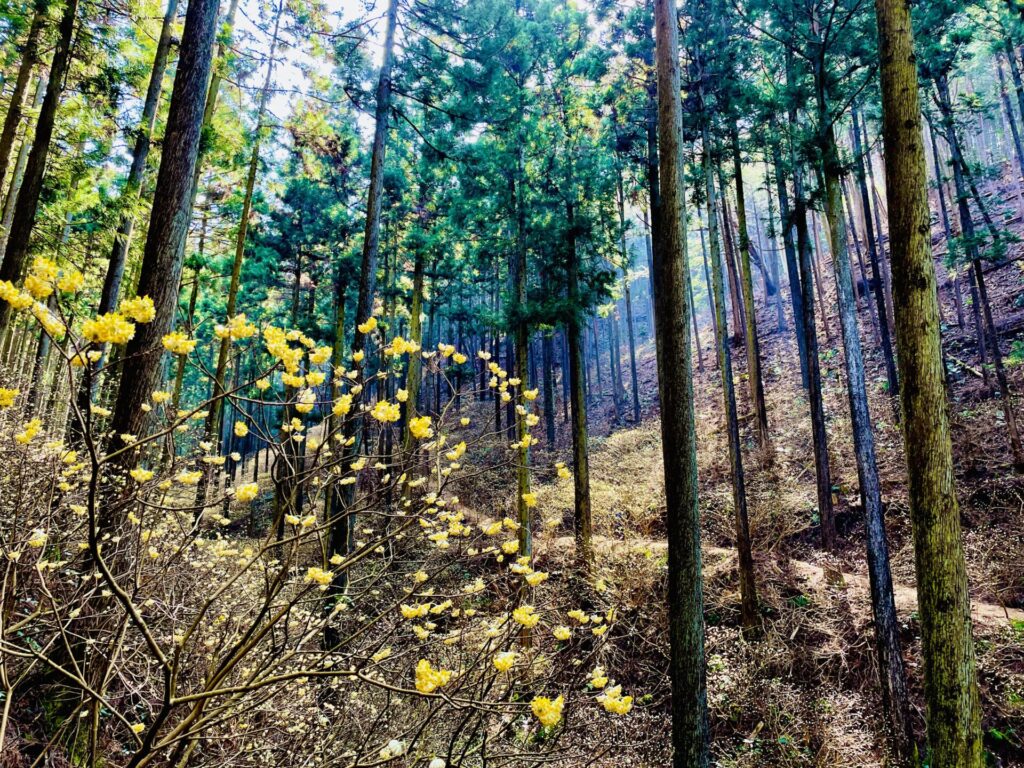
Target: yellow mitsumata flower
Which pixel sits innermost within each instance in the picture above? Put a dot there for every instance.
(7, 397)
(420, 427)
(178, 343)
(111, 328)
(369, 326)
(614, 702)
(526, 615)
(547, 711)
(384, 411)
(241, 429)
(247, 492)
(140, 309)
(429, 679)
(505, 660)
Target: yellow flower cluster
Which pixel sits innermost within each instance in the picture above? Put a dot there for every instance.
(141, 475)
(277, 341)
(526, 615)
(547, 711)
(111, 328)
(17, 299)
(52, 324)
(41, 278)
(305, 401)
(505, 660)
(384, 411)
(7, 397)
(140, 309)
(369, 326)
(238, 327)
(30, 430)
(247, 492)
(319, 576)
(429, 679)
(320, 355)
(614, 702)
(178, 343)
(420, 427)
(400, 346)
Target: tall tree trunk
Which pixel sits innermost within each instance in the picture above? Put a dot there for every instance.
(707, 282)
(548, 352)
(580, 449)
(748, 590)
(122, 239)
(940, 187)
(342, 522)
(890, 660)
(675, 389)
(753, 347)
(168, 224)
(878, 286)
(1012, 120)
(18, 175)
(819, 435)
(521, 345)
(951, 689)
(739, 320)
(24, 221)
(792, 267)
(29, 59)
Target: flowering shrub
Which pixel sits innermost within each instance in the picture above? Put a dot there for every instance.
(161, 607)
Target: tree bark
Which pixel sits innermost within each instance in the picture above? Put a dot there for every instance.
(168, 225)
(748, 590)
(29, 59)
(342, 524)
(876, 273)
(675, 389)
(951, 690)
(24, 221)
(792, 267)
(753, 347)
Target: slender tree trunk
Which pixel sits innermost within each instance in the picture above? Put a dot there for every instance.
(940, 187)
(792, 267)
(548, 352)
(342, 522)
(819, 434)
(890, 659)
(521, 343)
(18, 175)
(1012, 121)
(951, 689)
(748, 591)
(707, 283)
(122, 238)
(24, 221)
(28, 60)
(168, 223)
(739, 320)
(876, 273)
(675, 385)
(580, 450)
(989, 333)
(753, 346)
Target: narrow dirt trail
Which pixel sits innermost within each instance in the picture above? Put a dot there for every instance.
(813, 576)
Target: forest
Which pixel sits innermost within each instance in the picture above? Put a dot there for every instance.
(507, 383)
